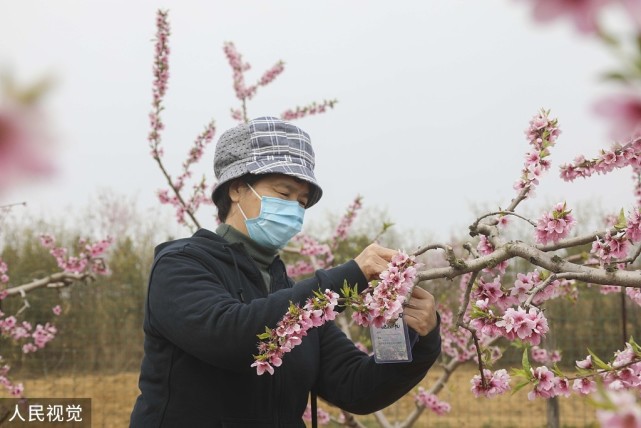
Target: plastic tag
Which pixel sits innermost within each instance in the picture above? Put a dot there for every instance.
(391, 343)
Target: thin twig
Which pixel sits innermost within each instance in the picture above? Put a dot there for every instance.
(534, 291)
(350, 420)
(25, 305)
(466, 298)
(478, 351)
(632, 259)
(601, 371)
(431, 247)
(476, 223)
(468, 246)
(520, 197)
(176, 192)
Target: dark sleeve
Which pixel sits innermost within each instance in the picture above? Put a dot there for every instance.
(353, 381)
(189, 306)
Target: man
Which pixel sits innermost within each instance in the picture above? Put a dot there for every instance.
(211, 294)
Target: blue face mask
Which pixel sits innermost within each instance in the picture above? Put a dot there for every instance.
(279, 220)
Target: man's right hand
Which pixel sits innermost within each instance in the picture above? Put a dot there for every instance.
(373, 260)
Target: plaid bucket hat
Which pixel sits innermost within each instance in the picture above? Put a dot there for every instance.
(265, 145)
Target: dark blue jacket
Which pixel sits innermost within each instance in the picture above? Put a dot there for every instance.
(206, 303)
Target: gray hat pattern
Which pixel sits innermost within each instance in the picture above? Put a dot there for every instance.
(266, 145)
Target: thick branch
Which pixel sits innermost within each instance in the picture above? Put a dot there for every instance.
(382, 420)
(537, 257)
(51, 281)
(574, 242)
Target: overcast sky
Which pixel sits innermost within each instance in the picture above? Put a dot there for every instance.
(433, 97)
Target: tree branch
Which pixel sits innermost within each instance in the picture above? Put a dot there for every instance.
(537, 257)
(474, 225)
(51, 281)
(176, 192)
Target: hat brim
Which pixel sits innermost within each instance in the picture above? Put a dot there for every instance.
(273, 167)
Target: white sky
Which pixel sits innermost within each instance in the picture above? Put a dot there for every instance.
(433, 97)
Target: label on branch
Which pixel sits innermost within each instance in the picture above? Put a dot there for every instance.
(391, 343)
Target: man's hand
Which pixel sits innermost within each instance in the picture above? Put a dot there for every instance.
(373, 260)
(420, 311)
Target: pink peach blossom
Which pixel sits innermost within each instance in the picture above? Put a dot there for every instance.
(624, 112)
(584, 13)
(24, 146)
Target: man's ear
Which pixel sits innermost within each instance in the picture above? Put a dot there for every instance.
(235, 190)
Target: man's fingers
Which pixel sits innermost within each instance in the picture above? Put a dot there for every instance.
(420, 293)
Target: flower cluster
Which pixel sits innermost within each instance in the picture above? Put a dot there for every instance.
(457, 342)
(496, 383)
(526, 282)
(621, 410)
(16, 389)
(239, 67)
(486, 248)
(291, 329)
(584, 13)
(608, 160)
(20, 331)
(528, 326)
(487, 293)
(547, 384)
(634, 294)
(542, 356)
(311, 109)
(541, 134)
(24, 137)
(636, 178)
(346, 222)
(4, 277)
(633, 225)
(431, 401)
(89, 259)
(615, 244)
(196, 153)
(200, 196)
(41, 336)
(322, 416)
(554, 225)
(161, 78)
(622, 373)
(611, 245)
(320, 256)
(383, 302)
(624, 110)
